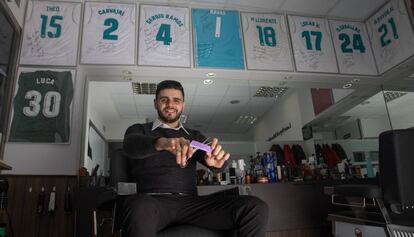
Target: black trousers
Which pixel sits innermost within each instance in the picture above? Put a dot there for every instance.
(145, 215)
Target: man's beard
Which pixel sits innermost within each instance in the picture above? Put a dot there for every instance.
(169, 119)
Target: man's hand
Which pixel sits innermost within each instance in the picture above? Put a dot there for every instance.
(179, 146)
(218, 156)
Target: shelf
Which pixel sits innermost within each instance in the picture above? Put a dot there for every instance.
(4, 166)
(365, 163)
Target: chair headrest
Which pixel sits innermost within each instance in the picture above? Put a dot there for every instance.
(396, 159)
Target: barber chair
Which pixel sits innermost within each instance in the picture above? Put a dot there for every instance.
(105, 200)
(389, 206)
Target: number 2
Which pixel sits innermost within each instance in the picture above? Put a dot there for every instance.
(113, 26)
(52, 24)
(307, 35)
(51, 104)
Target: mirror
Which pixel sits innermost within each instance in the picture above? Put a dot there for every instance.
(9, 41)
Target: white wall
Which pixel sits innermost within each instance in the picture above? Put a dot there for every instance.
(306, 106)
(350, 129)
(402, 121)
(115, 130)
(229, 136)
(286, 111)
(372, 127)
(339, 94)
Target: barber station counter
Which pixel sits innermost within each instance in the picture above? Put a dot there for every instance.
(292, 206)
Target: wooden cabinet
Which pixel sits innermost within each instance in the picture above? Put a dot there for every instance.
(23, 197)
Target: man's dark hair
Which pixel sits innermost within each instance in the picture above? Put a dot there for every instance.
(169, 84)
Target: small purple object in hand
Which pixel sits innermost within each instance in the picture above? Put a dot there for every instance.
(201, 146)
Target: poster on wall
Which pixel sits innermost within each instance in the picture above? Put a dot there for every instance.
(352, 47)
(322, 99)
(108, 33)
(164, 36)
(266, 42)
(217, 39)
(312, 46)
(391, 35)
(51, 33)
(42, 106)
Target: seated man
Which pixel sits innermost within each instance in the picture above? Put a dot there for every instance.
(164, 168)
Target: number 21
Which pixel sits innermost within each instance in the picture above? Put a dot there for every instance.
(384, 30)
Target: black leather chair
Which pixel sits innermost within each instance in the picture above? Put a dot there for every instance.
(119, 172)
(393, 198)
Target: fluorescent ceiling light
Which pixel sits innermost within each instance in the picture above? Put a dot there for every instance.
(268, 91)
(392, 95)
(210, 74)
(246, 119)
(144, 88)
(208, 81)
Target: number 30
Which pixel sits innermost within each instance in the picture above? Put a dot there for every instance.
(51, 104)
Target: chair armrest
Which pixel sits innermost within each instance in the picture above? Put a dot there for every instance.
(87, 200)
(93, 197)
(227, 192)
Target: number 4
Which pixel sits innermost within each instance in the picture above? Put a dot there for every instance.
(164, 34)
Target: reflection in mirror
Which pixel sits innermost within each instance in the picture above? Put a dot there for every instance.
(356, 131)
(400, 105)
(9, 40)
(96, 161)
(228, 109)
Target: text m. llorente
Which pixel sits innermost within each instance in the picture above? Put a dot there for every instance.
(278, 133)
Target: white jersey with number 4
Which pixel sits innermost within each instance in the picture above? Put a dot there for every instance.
(51, 33)
(164, 36)
(108, 33)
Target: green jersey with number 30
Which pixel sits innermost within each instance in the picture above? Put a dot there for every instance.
(42, 107)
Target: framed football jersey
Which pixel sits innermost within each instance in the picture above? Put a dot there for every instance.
(42, 106)
(266, 42)
(217, 39)
(312, 46)
(108, 33)
(391, 35)
(51, 33)
(353, 48)
(164, 36)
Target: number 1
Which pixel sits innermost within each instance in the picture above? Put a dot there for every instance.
(218, 27)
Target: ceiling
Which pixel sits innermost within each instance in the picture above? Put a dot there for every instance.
(208, 106)
(350, 9)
